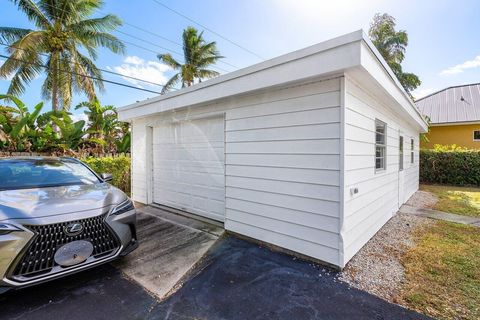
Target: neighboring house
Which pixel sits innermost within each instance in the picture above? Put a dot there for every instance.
(454, 115)
(313, 151)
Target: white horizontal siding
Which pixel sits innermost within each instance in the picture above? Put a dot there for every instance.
(317, 206)
(295, 118)
(304, 218)
(139, 161)
(315, 176)
(303, 161)
(301, 245)
(282, 171)
(378, 196)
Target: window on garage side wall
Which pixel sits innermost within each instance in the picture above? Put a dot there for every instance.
(380, 145)
(412, 150)
(400, 153)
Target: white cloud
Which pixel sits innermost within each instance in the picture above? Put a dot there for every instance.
(136, 67)
(134, 60)
(79, 116)
(459, 68)
(422, 92)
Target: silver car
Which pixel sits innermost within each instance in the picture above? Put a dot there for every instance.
(58, 217)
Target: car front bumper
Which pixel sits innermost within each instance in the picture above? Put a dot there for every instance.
(14, 245)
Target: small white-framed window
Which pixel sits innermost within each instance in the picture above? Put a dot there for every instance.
(400, 153)
(412, 150)
(380, 145)
(476, 135)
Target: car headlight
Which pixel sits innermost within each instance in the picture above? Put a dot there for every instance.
(123, 207)
(6, 228)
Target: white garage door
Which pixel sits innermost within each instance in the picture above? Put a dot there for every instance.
(189, 166)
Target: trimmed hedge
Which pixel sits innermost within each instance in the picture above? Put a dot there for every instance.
(119, 167)
(454, 166)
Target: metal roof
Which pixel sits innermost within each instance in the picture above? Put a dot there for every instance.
(453, 104)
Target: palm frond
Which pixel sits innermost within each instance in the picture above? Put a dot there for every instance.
(10, 34)
(169, 61)
(171, 83)
(33, 12)
(207, 74)
(85, 66)
(106, 40)
(85, 8)
(25, 73)
(32, 42)
(107, 23)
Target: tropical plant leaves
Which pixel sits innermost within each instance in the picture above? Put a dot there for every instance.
(24, 130)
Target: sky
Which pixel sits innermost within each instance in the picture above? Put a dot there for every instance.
(443, 50)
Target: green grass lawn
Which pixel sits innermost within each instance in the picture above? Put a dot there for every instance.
(443, 272)
(459, 200)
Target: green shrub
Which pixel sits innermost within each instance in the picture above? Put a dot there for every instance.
(119, 167)
(450, 165)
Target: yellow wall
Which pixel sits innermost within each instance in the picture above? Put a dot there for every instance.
(461, 135)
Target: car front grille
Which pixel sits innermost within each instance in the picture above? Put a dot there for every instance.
(38, 258)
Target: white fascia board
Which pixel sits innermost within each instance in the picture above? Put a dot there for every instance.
(373, 62)
(320, 60)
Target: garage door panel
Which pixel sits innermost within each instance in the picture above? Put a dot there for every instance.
(177, 166)
(194, 155)
(189, 166)
(212, 179)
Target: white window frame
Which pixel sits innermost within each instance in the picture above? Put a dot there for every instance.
(412, 151)
(473, 134)
(380, 145)
(401, 153)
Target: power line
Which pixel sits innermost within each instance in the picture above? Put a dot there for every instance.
(207, 28)
(149, 32)
(103, 70)
(174, 42)
(151, 43)
(138, 46)
(156, 45)
(156, 52)
(81, 75)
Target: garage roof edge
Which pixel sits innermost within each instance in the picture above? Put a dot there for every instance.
(125, 113)
(295, 55)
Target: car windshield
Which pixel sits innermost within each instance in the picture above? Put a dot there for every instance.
(42, 173)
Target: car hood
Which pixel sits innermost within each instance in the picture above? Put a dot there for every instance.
(44, 202)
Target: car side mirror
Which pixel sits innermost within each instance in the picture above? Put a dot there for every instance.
(106, 177)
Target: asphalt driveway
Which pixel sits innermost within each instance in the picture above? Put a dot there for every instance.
(238, 280)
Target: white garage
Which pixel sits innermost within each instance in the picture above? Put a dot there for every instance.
(312, 151)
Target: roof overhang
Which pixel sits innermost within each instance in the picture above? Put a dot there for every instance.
(351, 52)
(459, 123)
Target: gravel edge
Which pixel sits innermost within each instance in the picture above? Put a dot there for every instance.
(377, 267)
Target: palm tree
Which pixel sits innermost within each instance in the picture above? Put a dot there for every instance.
(102, 122)
(392, 45)
(62, 29)
(198, 56)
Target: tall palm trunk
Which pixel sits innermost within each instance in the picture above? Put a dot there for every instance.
(54, 95)
(54, 66)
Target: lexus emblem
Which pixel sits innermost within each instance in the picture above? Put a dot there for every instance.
(73, 229)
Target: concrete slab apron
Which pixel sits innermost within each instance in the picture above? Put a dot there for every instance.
(440, 215)
(167, 251)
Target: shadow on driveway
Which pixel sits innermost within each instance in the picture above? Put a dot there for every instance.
(238, 280)
(244, 281)
(99, 293)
